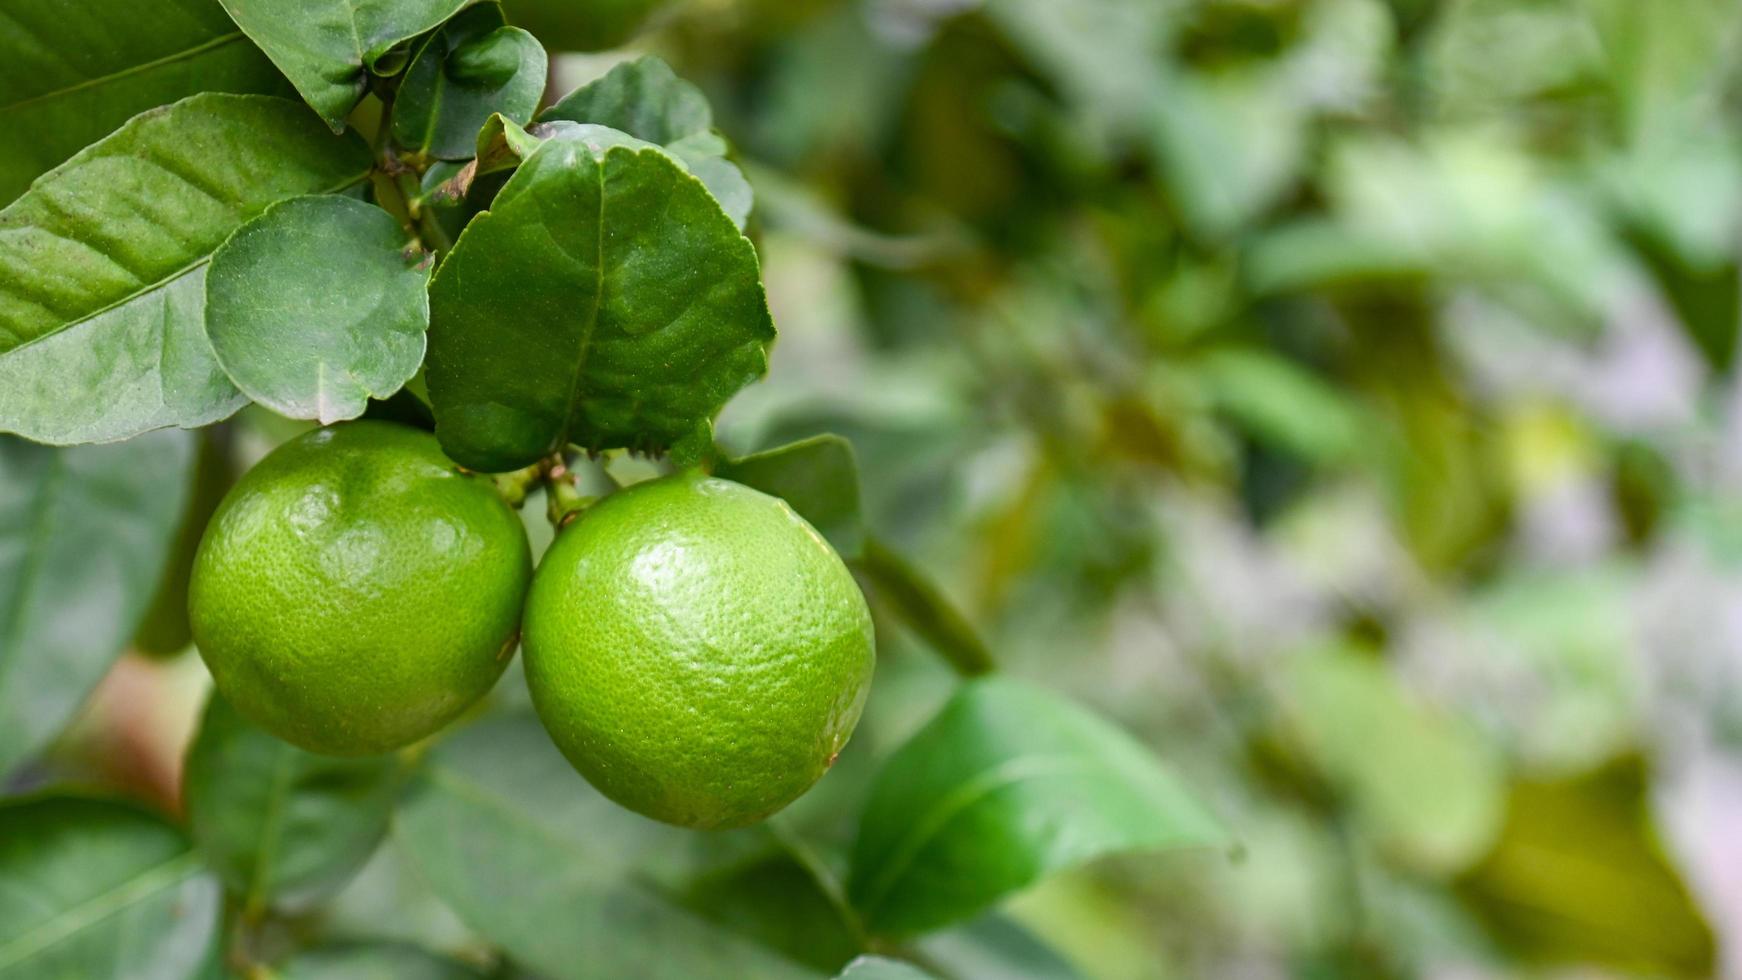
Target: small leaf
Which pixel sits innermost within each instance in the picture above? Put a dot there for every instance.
(818, 477)
(103, 263)
(372, 961)
(1005, 785)
(84, 534)
(472, 68)
(922, 605)
(604, 301)
(326, 47)
(93, 887)
(317, 306)
(881, 968)
(281, 826)
(526, 853)
(71, 73)
(647, 100)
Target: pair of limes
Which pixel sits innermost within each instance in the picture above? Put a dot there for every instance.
(694, 647)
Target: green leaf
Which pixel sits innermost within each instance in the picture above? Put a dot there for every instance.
(647, 100)
(326, 47)
(317, 306)
(531, 857)
(922, 605)
(103, 263)
(881, 968)
(472, 68)
(281, 826)
(83, 537)
(372, 961)
(818, 477)
(604, 301)
(1429, 791)
(1007, 784)
(71, 73)
(96, 889)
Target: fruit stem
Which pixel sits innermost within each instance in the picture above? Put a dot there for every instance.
(514, 486)
(564, 500)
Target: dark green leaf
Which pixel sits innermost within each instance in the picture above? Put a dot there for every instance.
(281, 826)
(592, 26)
(373, 961)
(881, 968)
(907, 592)
(818, 477)
(604, 300)
(164, 629)
(326, 47)
(531, 857)
(647, 100)
(1005, 785)
(96, 889)
(472, 68)
(317, 306)
(71, 73)
(103, 263)
(84, 533)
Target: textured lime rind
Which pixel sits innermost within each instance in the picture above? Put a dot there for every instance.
(355, 591)
(697, 651)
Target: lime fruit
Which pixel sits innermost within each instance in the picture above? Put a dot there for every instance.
(356, 590)
(697, 650)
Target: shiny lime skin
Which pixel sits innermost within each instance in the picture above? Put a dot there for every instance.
(356, 590)
(697, 651)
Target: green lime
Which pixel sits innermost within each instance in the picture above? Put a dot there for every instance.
(356, 590)
(697, 650)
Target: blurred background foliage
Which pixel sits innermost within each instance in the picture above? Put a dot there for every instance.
(1341, 394)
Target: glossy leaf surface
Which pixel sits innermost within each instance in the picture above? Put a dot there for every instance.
(1006, 784)
(103, 263)
(326, 47)
(317, 306)
(604, 301)
(647, 100)
(471, 69)
(71, 73)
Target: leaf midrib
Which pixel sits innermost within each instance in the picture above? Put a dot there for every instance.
(95, 909)
(271, 829)
(966, 794)
(144, 66)
(592, 321)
